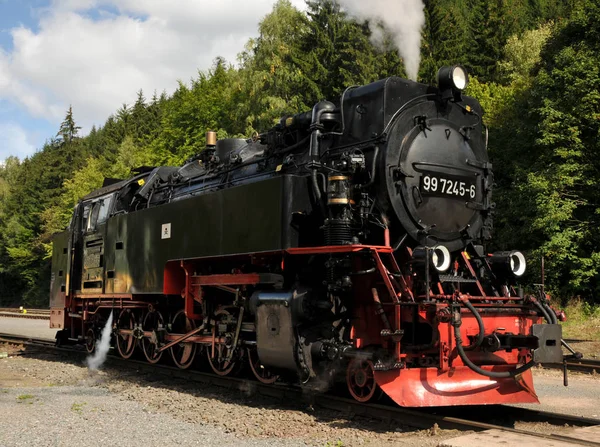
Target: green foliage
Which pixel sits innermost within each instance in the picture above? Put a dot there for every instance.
(339, 52)
(68, 129)
(544, 128)
(566, 172)
(190, 113)
(271, 76)
(521, 55)
(583, 321)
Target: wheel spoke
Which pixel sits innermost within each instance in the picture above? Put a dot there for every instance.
(152, 321)
(183, 354)
(360, 378)
(125, 343)
(220, 363)
(261, 373)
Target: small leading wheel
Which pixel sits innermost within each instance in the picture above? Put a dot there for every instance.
(360, 378)
(183, 353)
(90, 340)
(126, 342)
(225, 357)
(153, 321)
(260, 371)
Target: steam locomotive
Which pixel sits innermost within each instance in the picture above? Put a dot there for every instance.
(346, 243)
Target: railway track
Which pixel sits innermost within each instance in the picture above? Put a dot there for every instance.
(462, 418)
(584, 365)
(31, 314)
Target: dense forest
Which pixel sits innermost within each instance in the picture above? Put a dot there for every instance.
(534, 65)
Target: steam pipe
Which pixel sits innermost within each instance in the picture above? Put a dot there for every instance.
(379, 309)
(373, 170)
(314, 152)
(316, 127)
(400, 242)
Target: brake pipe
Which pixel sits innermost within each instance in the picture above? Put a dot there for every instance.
(541, 309)
(456, 322)
(477, 316)
(551, 313)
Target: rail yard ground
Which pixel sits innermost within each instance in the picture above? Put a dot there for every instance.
(48, 399)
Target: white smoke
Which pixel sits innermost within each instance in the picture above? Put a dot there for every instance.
(403, 18)
(95, 361)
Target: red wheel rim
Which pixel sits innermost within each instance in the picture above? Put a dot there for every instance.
(219, 363)
(183, 354)
(152, 321)
(360, 379)
(90, 341)
(125, 343)
(261, 373)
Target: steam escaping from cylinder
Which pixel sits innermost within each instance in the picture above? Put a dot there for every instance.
(97, 360)
(403, 18)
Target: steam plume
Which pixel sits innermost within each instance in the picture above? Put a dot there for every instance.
(94, 362)
(403, 18)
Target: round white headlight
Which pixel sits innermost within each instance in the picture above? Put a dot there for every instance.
(453, 77)
(440, 258)
(517, 263)
(459, 77)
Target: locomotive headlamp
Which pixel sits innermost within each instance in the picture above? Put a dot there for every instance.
(508, 262)
(517, 263)
(439, 256)
(452, 77)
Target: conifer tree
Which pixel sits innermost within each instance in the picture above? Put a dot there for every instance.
(68, 129)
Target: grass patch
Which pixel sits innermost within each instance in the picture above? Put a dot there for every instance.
(24, 397)
(78, 408)
(583, 321)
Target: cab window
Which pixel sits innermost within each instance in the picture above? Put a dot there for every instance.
(85, 216)
(104, 206)
(96, 212)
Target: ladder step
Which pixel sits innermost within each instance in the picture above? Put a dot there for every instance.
(452, 278)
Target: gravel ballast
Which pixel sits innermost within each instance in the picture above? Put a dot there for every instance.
(50, 400)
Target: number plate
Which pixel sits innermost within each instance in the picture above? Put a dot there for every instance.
(443, 185)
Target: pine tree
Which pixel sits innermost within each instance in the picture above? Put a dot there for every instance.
(68, 129)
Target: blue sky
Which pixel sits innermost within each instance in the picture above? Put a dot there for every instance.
(96, 54)
(14, 13)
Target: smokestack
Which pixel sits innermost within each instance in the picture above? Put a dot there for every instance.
(403, 18)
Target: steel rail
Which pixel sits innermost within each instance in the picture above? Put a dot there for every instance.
(417, 418)
(584, 365)
(33, 311)
(27, 316)
(32, 314)
(21, 339)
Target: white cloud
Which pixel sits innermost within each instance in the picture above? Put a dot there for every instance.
(85, 54)
(14, 141)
